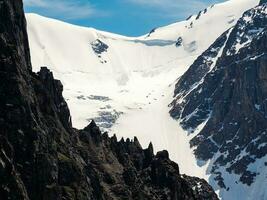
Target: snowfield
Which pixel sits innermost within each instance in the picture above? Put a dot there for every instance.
(125, 83)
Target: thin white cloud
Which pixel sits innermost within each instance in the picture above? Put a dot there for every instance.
(173, 8)
(170, 3)
(68, 9)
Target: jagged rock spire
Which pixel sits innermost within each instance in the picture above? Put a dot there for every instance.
(150, 148)
(137, 143)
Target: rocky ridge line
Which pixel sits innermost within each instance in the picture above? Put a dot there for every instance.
(43, 157)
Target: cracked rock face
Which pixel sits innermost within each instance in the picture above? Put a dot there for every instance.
(227, 93)
(43, 157)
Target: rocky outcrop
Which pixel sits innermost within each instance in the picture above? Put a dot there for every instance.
(99, 47)
(43, 157)
(193, 77)
(229, 101)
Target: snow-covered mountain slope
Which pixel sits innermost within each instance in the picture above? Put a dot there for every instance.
(125, 83)
(119, 70)
(225, 89)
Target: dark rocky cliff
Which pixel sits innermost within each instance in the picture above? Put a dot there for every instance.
(43, 157)
(262, 2)
(230, 99)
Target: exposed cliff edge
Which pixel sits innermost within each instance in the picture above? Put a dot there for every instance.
(43, 157)
(225, 92)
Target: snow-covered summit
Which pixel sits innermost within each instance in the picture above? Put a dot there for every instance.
(122, 68)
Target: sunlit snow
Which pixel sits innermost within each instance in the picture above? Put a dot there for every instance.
(135, 76)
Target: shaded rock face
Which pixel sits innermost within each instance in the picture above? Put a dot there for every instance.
(229, 100)
(262, 2)
(192, 78)
(43, 157)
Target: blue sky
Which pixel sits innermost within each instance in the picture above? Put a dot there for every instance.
(127, 17)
